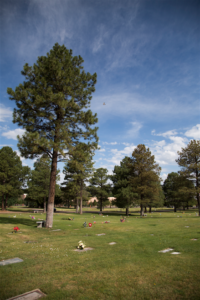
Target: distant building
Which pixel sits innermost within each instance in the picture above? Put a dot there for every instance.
(91, 200)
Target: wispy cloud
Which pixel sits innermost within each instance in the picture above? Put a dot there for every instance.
(12, 134)
(111, 143)
(165, 134)
(5, 113)
(134, 129)
(136, 105)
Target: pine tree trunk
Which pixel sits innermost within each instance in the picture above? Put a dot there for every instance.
(149, 209)
(145, 209)
(2, 203)
(174, 208)
(81, 199)
(77, 205)
(45, 208)
(198, 203)
(6, 201)
(183, 207)
(101, 204)
(50, 208)
(127, 211)
(141, 210)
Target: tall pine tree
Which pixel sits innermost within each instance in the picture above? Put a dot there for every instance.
(189, 161)
(144, 176)
(52, 106)
(121, 185)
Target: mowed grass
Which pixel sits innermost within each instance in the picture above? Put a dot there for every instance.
(131, 269)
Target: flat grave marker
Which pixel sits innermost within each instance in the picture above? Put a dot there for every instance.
(83, 250)
(166, 250)
(32, 295)
(11, 261)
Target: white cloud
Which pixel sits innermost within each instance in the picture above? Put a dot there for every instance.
(194, 132)
(166, 153)
(112, 143)
(118, 155)
(102, 150)
(12, 134)
(165, 134)
(163, 176)
(5, 113)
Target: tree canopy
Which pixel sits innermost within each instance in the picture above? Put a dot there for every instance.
(144, 173)
(77, 171)
(38, 185)
(121, 185)
(12, 175)
(189, 161)
(52, 106)
(99, 187)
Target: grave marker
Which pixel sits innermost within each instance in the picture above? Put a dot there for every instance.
(11, 261)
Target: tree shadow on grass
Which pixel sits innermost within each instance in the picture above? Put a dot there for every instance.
(15, 221)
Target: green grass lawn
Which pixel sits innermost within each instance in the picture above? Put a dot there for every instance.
(131, 269)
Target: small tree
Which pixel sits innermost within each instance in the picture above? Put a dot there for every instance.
(40, 180)
(12, 175)
(77, 171)
(189, 161)
(178, 190)
(121, 185)
(99, 187)
(144, 176)
(52, 107)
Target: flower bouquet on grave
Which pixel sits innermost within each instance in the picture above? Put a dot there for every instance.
(84, 224)
(16, 229)
(122, 220)
(81, 246)
(107, 222)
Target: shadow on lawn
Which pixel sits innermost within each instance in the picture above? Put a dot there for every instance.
(15, 221)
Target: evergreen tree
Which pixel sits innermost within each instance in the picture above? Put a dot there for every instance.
(121, 185)
(179, 191)
(99, 187)
(12, 175)
(189, 161)
(52, 107)
(144, 176)
(77, 171)
(40, 181)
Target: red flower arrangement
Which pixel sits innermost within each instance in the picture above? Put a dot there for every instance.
(90, 224)
(16, 229)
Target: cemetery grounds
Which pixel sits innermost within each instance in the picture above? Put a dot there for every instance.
(132, 268)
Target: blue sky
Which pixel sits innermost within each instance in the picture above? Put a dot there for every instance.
(146, 54)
